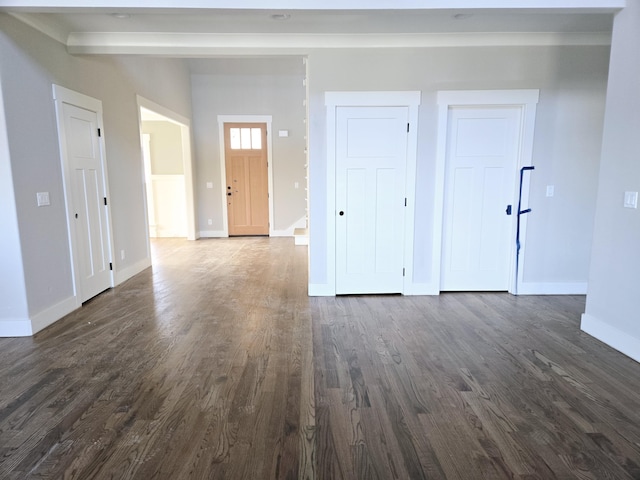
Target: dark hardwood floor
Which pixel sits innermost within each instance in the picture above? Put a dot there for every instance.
(215, 364)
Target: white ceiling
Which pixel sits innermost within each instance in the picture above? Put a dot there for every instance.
(203, 32)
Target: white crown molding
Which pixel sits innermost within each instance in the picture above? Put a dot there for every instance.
(42, 26)
(189, 44)
(319, 4)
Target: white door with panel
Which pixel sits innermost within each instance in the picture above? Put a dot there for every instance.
(482, 155)
(371, 162)
(87, 200)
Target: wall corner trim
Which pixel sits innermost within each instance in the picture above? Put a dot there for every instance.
(612, 336)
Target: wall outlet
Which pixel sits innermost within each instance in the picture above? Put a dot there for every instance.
(296, 185)
(550, 190)
(122, 255)
(209, 184)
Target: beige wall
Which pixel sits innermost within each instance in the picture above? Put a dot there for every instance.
(30, 63)
(250, 87)
(572, 83)
(613, 301)
(166, 147)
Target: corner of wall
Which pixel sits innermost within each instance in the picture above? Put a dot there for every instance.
(613, 337)
(16, 328)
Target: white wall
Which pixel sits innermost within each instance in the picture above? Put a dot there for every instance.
(572, 83)
(29, 64)
(250, 87)
(13, 295)
(613, 301)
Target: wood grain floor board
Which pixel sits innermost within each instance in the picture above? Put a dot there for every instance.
(215, 364)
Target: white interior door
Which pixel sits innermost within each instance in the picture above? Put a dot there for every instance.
(87, 200)
(480, 181)
(371, 160)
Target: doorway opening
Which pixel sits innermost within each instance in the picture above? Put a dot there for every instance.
(168, 171)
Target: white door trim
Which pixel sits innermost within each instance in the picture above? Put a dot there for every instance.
(63, 95)
(222, 119)
(187, 160)
(527, 100)
(410, 99)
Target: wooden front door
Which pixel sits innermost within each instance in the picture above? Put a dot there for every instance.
(247, 178)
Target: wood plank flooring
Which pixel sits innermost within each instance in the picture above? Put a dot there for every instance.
(216, 365)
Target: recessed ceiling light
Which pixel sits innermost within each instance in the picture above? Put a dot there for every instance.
(120, 16)
(280, 16)
(462, 16)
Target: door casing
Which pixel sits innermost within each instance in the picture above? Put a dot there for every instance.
(61, 96)
(222, 119)
(527, 101)
(333, 100)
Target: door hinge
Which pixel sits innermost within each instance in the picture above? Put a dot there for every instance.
(110, 266)
(405, 201)
(105, 200)
(99, 133)
(407, 128)
(403, 271)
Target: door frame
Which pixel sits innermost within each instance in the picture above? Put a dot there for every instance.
(222, 119)
(526, 101)
(187, 161)
(333, 100)
(62, 95)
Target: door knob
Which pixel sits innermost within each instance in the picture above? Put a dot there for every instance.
(341, 213)
(229, 194)
(508, 210)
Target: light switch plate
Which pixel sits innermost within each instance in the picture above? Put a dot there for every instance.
(209, 184)
(43, 199)
(631, 199)
(283, 133)
(550, 190)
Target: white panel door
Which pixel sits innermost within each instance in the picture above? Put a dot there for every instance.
(371, 159)
(480, 181)
(87, 200)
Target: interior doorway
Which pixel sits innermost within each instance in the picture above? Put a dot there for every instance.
(168, 171)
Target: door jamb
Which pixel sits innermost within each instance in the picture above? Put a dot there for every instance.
(527, 101)
(333, 100)
(222, 119)
(63, 95)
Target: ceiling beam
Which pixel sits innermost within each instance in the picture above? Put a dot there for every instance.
(189, 45)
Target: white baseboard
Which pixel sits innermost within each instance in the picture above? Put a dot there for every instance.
(126, 273)
(321, 290)
(288, 232)
(612, 336)
(213, 234)
(15, 328)
(52, 314)
(552, 288)
(422, 289)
